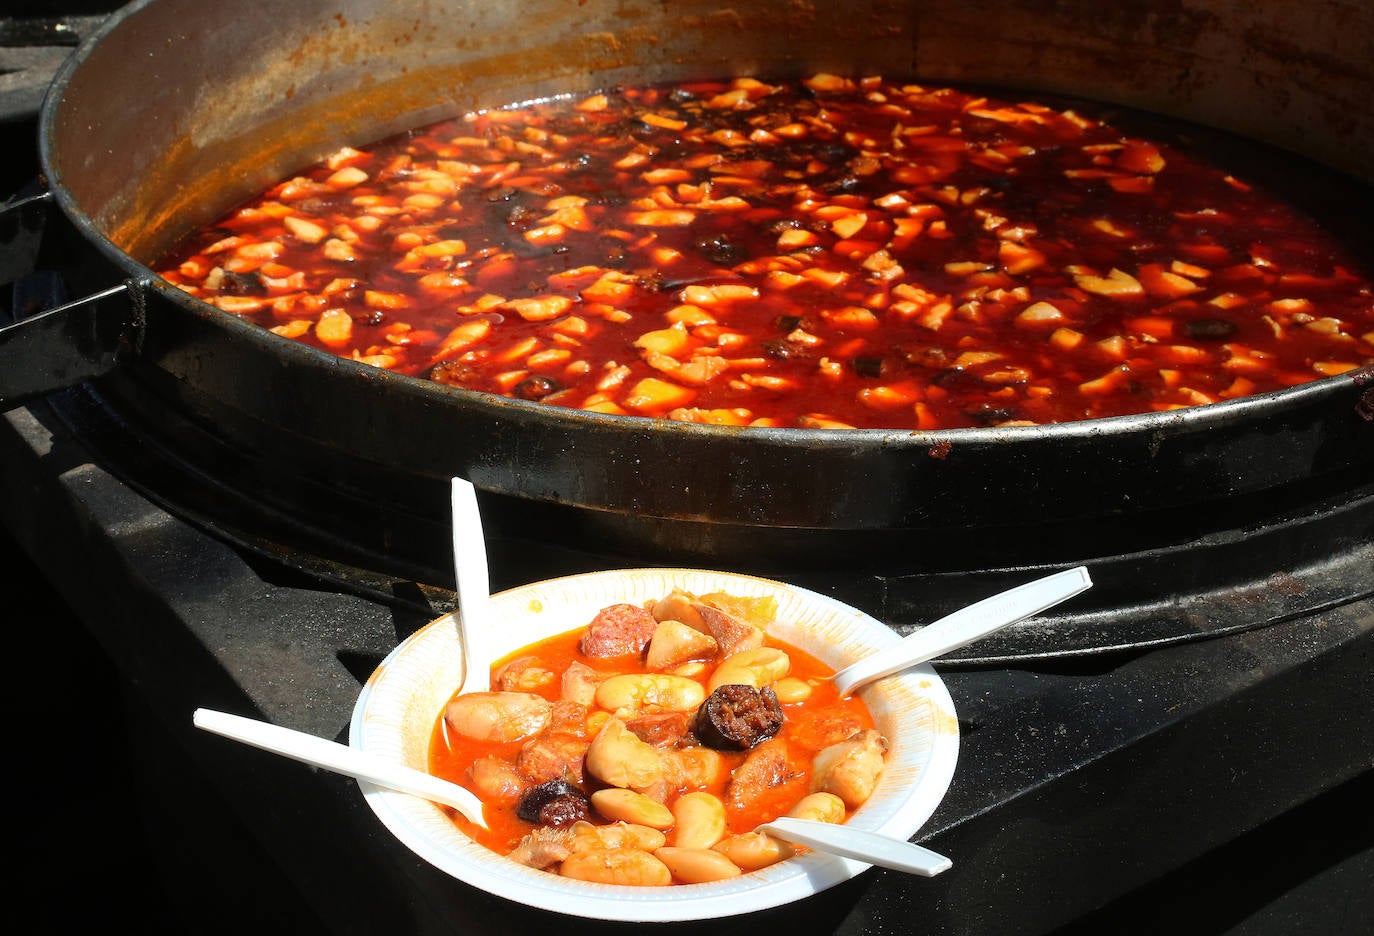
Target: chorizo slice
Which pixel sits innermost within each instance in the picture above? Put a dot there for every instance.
(618, 630)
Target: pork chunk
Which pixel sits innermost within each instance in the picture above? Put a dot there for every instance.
(769, 765)
(544, 847)
(552, 756)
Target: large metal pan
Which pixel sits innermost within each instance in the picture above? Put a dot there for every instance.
(176, 110)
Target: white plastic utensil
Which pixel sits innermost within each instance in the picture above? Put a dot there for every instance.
(872, 847)
(341, 759)
(474, 587)
(965, 626)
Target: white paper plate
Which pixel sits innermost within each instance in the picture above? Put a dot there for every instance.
(396, 711)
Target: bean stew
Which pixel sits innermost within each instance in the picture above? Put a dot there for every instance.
(827, 253)
(646, 747)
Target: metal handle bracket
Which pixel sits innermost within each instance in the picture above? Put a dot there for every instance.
(50, 342)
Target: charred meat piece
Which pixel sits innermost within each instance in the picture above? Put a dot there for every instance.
(719, 249)
(455, 374)
(556, 803)
(735, 718)
(242, 284)
(868, 366)
(1209, 329)
(536, 387)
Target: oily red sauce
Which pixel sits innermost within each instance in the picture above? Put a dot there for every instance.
(809, 726)
(827, 253)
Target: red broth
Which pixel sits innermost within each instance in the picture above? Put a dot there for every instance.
(827, 253)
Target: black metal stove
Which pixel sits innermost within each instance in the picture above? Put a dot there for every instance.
(1104, 748)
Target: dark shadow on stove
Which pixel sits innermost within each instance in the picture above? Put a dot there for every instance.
(359, 665)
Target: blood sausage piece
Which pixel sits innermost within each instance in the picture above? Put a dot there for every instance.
(735, 717)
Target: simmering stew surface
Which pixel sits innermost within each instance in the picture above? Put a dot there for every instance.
(825, 253)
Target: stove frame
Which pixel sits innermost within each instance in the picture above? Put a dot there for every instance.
(1085, 778)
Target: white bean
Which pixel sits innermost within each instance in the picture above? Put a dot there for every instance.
(586, 836)
(691, 670)
(629, 806)
(631, 693)
(697, 865)
(757, 668)
(617, 866)
(754, 850)
(619, 758)
(699, 820)
(790, 689)
(819, 807)
(497, 716)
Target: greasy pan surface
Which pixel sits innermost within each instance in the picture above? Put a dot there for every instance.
(236, 94)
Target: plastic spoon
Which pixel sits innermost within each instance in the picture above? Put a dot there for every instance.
(872, 847)
(341, 759)
(474, 587)
(964, 627)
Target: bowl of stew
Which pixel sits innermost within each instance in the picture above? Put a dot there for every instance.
(600, 703)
